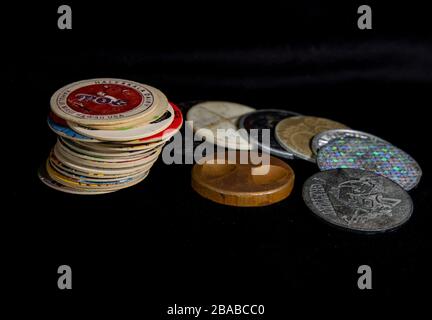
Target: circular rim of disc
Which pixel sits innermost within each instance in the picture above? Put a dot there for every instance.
(80, 153)
(150, 97)
(119, 148)
(51, 183)
(279, 153)
(76, 184)
(105, 155)
(90, 175)
(356, 134)
(74, 158)
(166, 134)
(136, 133)
(101, 171)
(64, 130)
(295, 152)
(94, 180)
(213, 138)
(71, 173)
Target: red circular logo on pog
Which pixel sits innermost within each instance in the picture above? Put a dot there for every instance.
(104, 99)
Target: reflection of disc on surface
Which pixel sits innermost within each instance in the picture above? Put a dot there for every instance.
(357, 200)
(234, 184)
(295, 134)
(61, 128)
(381, 158)
(105, 101)
(321, 139)
(139, 132)
(266, 119)
(210, 116)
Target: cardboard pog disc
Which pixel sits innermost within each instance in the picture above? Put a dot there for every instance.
(216, 122)
(132, 121)
(87, 185)
(53, 184)
(139, 132)
(152, 116)
(85, 150)
(105, 101)
(166, 134)
(119, 147)
(61, 128)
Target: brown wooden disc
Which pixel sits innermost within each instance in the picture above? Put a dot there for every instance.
(234, 184)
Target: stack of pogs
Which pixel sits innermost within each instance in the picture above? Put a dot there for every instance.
(110, 133)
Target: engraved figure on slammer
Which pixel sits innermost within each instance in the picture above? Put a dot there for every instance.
(362, 200)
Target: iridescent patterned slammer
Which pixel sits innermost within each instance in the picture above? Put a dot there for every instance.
(381, 158)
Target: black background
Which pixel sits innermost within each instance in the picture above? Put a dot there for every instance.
(147, 247)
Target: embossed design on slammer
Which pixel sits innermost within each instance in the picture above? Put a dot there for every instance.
(357, 200)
